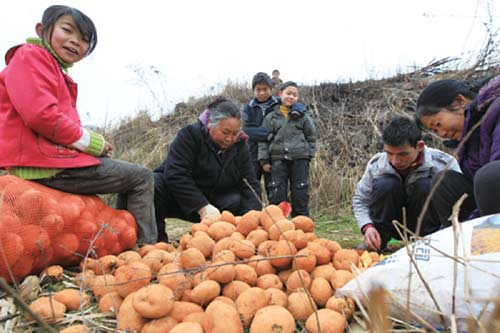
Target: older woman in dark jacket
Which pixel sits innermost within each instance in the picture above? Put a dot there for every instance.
(206, 168)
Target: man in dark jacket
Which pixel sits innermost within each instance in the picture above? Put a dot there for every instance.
(206, 168)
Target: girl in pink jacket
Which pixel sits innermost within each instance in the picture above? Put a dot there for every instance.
(40, 130)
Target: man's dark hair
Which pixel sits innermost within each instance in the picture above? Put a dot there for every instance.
(400, 131)
(262, 78)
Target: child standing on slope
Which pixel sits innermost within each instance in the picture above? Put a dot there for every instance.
(291, 145)
(253, 115)
(40, 130)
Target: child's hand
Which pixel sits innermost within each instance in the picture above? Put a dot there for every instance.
(108, 148)
(266, 167)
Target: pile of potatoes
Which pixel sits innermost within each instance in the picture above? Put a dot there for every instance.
(260, 271)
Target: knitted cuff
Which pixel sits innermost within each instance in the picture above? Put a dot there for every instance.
(96, 145)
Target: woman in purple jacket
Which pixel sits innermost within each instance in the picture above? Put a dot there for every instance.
(469, 115)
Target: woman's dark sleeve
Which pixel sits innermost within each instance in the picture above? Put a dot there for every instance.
(178, 169)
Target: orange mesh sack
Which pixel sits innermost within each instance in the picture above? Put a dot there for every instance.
(40, 226)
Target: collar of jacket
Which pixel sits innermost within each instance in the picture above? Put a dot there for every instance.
(42, 43)
(270, 102)
(386, 167)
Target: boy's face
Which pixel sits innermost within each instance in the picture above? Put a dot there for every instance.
(289, 96)
(262, 92)
(66, 40)
(275, 74)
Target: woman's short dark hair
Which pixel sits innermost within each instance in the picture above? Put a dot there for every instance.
(443, 94)
(400, 131)
(82, 21)
(222, 108)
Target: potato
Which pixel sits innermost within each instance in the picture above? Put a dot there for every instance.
(303, 223)
(128, 318)
(156, 259)
(198, 227)
(243, 249)
(165, 246)
(321, 291)
(75, 329)
(299, 305)
(205, 292)
(132, 277)
(276, 297)
(264, 248)
(72, 298)
(322, 253)
(270, 215)
(344, 258)
(171, 276)
(128, 257)
(282, 248)
(245, 273)
(237, 236)
(273, 318)
(269, 281)
(248, 302)
(284, 275)
(324, 271)
(226, 300)
(222, 245)
(219, 230)
(184, 241)
(187, 328)
(340, 277)
(227, 216)
(258, 236)
(329, 322)
(110, 302)
(196, 317)
(203, 243)
(261, 265)
(221, 317)
(297, 280)
(48, 309)
(307, 263)
(84, 280)
(192, 258)
(248, 222)
(103, 284)
(161, 325)
(344, 306)
(153, 301)
(331, 245)
(107, 265)
(182, 309)
(297, 237)
(277, 229)
(54, 272)
(234, 288)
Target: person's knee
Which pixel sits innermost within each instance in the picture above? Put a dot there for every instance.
(387, 185)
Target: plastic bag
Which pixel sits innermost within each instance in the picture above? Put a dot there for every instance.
(462, 271)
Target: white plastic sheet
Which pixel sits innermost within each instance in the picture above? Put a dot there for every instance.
(461, 270)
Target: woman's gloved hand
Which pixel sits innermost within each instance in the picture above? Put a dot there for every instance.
(207, 211)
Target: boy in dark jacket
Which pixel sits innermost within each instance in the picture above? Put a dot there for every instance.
(253, 116)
